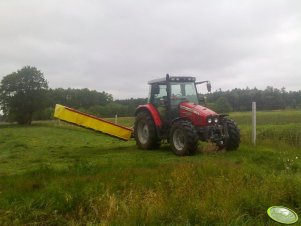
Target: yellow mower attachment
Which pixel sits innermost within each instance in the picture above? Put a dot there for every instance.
(91, 122)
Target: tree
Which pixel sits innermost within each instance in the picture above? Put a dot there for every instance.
(222, 105)
(78, 98)
(23, 93)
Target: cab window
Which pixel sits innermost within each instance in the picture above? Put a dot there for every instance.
(159, 94)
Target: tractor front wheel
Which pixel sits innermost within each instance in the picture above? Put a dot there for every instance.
(234, 136)
(145, 132)
(183, 138)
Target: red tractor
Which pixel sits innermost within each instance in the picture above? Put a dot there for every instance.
(173, 113)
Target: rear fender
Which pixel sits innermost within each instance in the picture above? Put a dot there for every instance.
(152, 111)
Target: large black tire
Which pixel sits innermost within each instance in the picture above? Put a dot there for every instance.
(145, 132)
(234, 136)
(183, 138)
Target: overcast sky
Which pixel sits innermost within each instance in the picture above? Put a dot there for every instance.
(118, 45)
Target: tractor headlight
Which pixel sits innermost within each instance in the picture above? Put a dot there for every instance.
(209, 120)
(215, 120)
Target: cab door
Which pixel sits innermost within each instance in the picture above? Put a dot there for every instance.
(158, 98)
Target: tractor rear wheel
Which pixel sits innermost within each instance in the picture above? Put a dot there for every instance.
(145, 132)
(183, 138)
(234, 135)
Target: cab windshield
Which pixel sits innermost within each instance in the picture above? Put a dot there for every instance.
(185, 91)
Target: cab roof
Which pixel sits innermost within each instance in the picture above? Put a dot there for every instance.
(172, 79)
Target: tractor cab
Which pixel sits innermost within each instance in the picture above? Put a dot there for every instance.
(166, 94)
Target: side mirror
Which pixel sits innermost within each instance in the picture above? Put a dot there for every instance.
(209, 86)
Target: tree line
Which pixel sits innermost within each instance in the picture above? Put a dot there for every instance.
(241, 99)
(25, 96)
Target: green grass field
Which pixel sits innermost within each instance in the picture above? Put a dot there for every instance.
(53, 173)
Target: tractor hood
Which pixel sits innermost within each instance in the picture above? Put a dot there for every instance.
(197, 113)
(197, 109)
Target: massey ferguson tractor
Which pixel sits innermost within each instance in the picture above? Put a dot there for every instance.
(173, 113)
